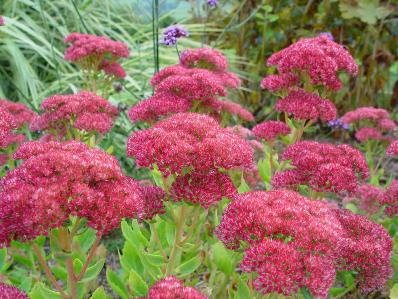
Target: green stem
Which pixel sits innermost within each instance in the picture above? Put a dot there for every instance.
(179, 232)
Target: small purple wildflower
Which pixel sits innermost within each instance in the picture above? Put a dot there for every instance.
(212, 3)
(338, 124)
(172, 33)
(328, 35)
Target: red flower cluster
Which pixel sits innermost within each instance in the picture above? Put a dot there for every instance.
(113, 69)
(303, 105)
(153, 197)
(270, 130)
(323, 167)
(319, 58)
(276, 83)
(292, 242)
(96, 53)
(172, 288)
(204, 58)
(57, 179)
(189, 140)
(85, 47)
(368, 198)
(7, 125)
(9, 291)
(22, 114)
(195, 83)
(365, 134)
(392, 149)
(160, 104)
(391, 199)
(84, 111)
(202, 188)
(371, 122)
(194, 147)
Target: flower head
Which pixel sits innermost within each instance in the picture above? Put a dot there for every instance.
(2, 22)
(153, 197)
(365, 247)
(368, 198)
(328, 35)
(58, 179)
(364, 134)
(161, 104)
(302, 106)
(189, 140)
(392, 149)
(22, 115)
(270, 130)
(113, 69)
(194, 84)
(172, 33)
(212, 3)
(7, 125)
(292, 241)
(282, 269)
(84, 111)
(203, 188)
(86, 49)
(8, 291)
(390, 199)
(172, 288)
(275, 83)
(204, 58)
(365, 113)
(322, 167)
(337, 123)
(319, 57)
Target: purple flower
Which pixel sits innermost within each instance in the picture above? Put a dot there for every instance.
(172, 33)
(327, 34)
(2, 21)
(212, 3)
(338, 124)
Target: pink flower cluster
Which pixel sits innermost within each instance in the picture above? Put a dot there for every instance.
(84, 111)
(323, 167)
(193, 143)
(172, 288)
(9, 291)
(204, 58)
(89, 46)
(153, 198)
(392, 149)
(365, 134)
(113, 69)
(22, 114)
(292, 242)
(202, 188)
(319, 58)
(196, 83)
(7, 125)
(92, 52)
(270, 130)
(276, 83)
(391, 199)
(303, 106)
(371, 123)
(58, 179)
(187, 140)
(368, 198)
(2, 22)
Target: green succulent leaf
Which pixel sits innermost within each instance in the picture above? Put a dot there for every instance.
(137, 284)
